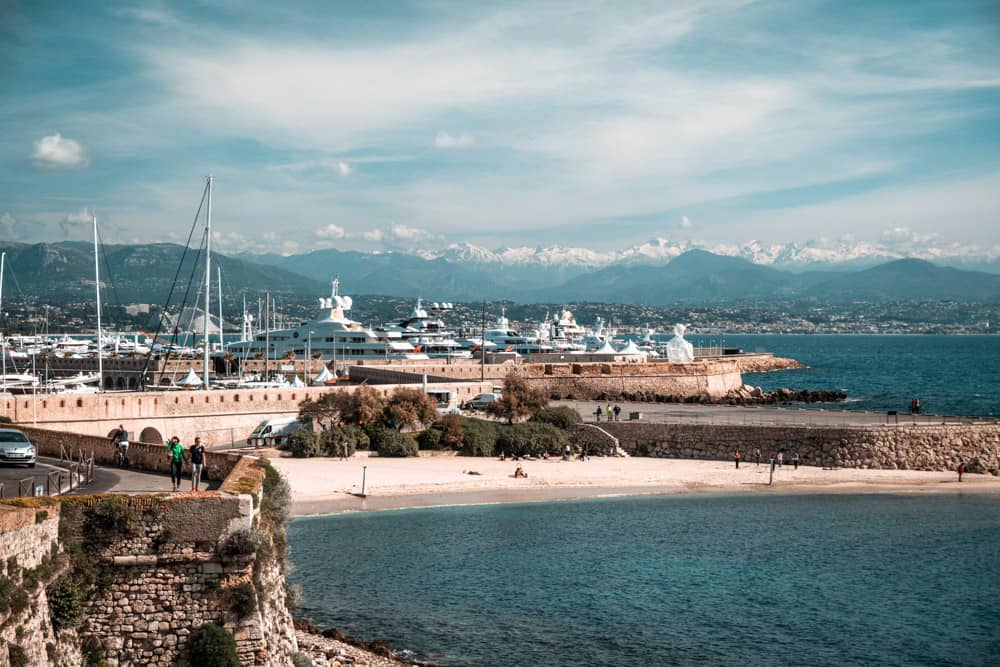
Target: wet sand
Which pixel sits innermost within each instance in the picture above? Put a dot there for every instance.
(325, 485)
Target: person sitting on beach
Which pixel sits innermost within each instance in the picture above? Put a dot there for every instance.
(545, 455)
(503, 456)
(519, 472)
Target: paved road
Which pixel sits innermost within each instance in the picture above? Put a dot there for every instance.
(11, 475)
(765, 414)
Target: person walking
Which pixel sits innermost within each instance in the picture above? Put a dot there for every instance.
(176, 455)
(781, 458)
(598, 412)
(617, 411)
(795, 460)
(736, 457)
(197, 463)
(608, 413)
(756, 455)
(961, 471)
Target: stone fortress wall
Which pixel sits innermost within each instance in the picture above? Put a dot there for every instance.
(905, 447)
(165, 567)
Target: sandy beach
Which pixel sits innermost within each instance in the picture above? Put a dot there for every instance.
(328, 485)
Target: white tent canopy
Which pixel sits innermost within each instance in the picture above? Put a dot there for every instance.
(606, 349)
(190, 380)
(297, 382)
(324, 376)
(632, 350)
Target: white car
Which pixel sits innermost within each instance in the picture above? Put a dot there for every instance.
(481, 402)
(16, 448)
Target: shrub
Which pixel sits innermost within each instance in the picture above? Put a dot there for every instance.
(4, 419)
(242, 599)
(479, 437)
(242, 542)
(113, 515)
(213, 646)
(277, 495)
(343, 441)
(561, 417)
(66, 598)
(531, 439)
(388, 442)
(452, 432)
(430, 438)
(303, 444)
(409, 407)
(302, 660)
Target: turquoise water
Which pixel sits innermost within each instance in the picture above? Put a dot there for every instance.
(954, 375)
(683, 580)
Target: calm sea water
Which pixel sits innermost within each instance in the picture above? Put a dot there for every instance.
(954, 375)
(688, 580)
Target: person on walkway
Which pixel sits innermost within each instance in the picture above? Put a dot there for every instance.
(795, 460)
(961, 471)
(617, 411)
(177, 457)
(736, 457)
(598, 412)
(756, 455)
(197, 463)
(781, 458)
(609, 413)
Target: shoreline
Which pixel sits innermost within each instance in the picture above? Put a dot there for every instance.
(327, 486)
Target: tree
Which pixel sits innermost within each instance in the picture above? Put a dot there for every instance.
(361, 406)
(452, 432)
(409, 407)
(519, 399)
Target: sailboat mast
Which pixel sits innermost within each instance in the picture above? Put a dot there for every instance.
(208, 280)
(218, 274)
(3, 339)
(97, 285)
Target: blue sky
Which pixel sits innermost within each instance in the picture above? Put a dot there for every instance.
(395, 125)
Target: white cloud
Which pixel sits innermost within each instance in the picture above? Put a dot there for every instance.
(289, 247)
(75, 221)
(686, 222)
(335, 165)
(58, 152)
(405, 233)
(446, 140)
(373, 235)
(7, 223)
(331, 231)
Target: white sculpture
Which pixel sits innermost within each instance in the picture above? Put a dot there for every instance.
(679, 350)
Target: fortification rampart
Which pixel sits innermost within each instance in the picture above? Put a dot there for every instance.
(218, 416)
(143, 572)
(906, 447)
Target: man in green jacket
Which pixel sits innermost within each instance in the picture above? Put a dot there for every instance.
(177, 456)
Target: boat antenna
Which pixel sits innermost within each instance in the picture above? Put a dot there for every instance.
(97, 284)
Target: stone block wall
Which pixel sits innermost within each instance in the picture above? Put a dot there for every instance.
(906, 447)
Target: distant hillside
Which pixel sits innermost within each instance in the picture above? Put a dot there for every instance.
(64, 272)
(910, 279)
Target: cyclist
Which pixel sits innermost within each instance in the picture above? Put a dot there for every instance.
(120, 441)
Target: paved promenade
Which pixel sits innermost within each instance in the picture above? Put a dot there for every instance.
(116, 480)
(763, 414)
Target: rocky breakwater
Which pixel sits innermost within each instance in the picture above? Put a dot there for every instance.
(902, 447)
(764, 363)
(749, 395)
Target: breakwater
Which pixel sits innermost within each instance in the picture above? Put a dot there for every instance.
(902, 447)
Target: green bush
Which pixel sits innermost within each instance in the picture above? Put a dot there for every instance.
(4, 419)
(389, 442)
(479, 437)
(114, 515)
(242, 542)
(303, 444)
(343, 440)
(302, 660)
(66, 598)
(561, 417)
(242, 599)
(430, 438)
(213, 646)
(532, 439)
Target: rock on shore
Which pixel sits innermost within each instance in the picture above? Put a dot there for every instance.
(330, 648)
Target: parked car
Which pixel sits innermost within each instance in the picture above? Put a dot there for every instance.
(481, 402)
(15, 448)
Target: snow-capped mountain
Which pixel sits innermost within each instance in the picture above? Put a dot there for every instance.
(795, 256)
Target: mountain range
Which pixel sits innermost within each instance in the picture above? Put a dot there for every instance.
(144, 273)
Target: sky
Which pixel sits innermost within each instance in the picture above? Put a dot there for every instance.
(408, 126)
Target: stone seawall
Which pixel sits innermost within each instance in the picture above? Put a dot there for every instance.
(157, 567)
(904, 447)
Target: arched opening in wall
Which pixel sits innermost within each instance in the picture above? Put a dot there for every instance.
(109, 383)
(120, 383)
(151, 435)
(133, 383)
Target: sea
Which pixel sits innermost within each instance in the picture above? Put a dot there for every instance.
(951, 375)
(887, 579)
(672, 580)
